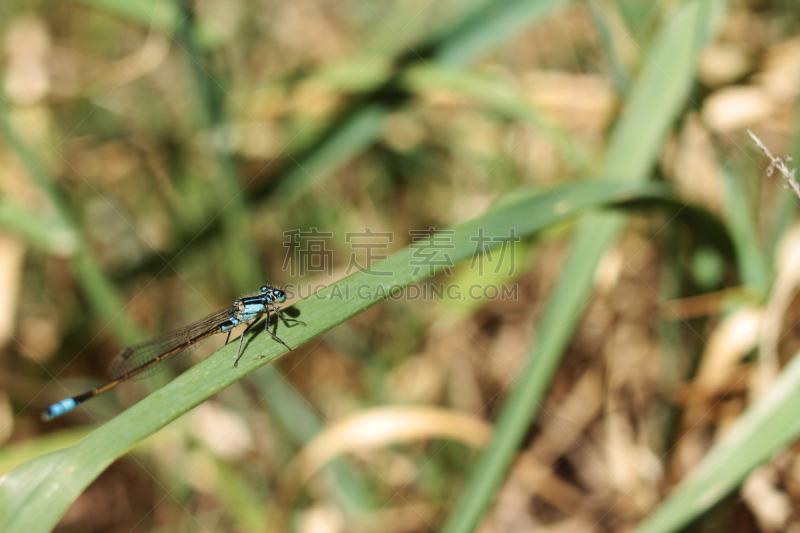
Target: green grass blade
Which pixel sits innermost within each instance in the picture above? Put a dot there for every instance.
(210, 111)
(162, 13)
(357, 133)
(496, 94)
(664, 87)
(464, 43)
(101, 293)
(656, 100)
(245, 506)
(47, 234)
(602, 24)
(767, 427)
(489, 28)
(300, 423)
(35, 495)
(750, 256)
(15, 454)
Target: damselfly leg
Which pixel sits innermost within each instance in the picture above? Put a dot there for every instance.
(286, 320)
(266, 328)
(241, 340)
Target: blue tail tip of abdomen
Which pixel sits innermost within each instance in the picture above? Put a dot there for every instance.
(58, 409)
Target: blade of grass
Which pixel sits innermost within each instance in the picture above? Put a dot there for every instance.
(357, 133)
(766, 427)
(16, 453)
(35, 495)
(301, 424)
(749, 254)
(235, 240)
(142, 12)
(242, 502)
(361, 127)
(477, 34)
(655, 101)
(497, 94)
(101, 293)
(489, 28)
(44, 233)
(620, 75)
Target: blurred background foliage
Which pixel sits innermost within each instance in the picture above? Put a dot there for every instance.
(154, 153)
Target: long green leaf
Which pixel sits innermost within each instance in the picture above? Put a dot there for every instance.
(458, 46)
(602, 24)
(101, 294)
(147, 13)
(351, 138)
(236, 240)
(656, 99)
(767, 427)
(489, 28)
(35, 495)
(496, 94)
(45, 233)
(300, 424)
(749, 253)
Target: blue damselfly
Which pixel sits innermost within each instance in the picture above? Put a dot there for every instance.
(144, 359)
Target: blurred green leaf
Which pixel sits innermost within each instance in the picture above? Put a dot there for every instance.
(655, 101)
(488, 29)
(105, 299)
(499, 95)
(101, 293)
(455, 46)
(749, 253)
(355, 135)
(161, 13)
(477, 282)
(50, 236)
(357, 74)
(236, 239)
(249, 512)
(767, 427)
(619, 73)
(301, 424)
(35, 495)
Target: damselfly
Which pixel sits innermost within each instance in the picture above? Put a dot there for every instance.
(143, 359)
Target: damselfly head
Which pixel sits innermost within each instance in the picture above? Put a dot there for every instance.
(279, 295)
(273, 294)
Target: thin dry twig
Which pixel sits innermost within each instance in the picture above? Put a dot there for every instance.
(777, 162)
